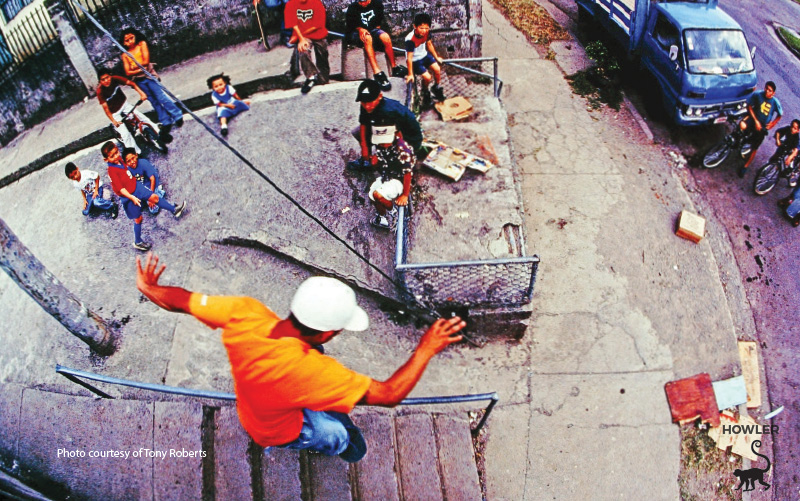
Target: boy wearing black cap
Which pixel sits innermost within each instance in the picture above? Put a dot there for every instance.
(377, 110)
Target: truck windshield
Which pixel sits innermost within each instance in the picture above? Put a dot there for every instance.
(717, 52)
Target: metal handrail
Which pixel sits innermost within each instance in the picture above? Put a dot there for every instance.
(74, 374)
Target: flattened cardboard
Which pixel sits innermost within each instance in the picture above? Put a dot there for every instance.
(455, 108)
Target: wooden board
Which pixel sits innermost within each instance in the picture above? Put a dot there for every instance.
(748, 354)
(715, 433)
(691, 226)
(691, 398)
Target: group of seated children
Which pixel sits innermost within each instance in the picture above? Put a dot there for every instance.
(133, 179)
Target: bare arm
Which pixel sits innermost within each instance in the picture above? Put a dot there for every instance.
(125, 193)
(169, 298)
(774, 122)
(109, 115)
(391, 392)
(433, 52)
(96, 186)
(364, 146)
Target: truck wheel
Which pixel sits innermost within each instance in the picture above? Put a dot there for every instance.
(716, 155)
(766, 178)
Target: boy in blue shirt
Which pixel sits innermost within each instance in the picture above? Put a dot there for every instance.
(760, 108)
(145, 173)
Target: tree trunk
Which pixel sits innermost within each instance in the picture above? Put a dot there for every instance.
(31, 275)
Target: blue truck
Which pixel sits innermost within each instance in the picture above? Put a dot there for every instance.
(696, 53)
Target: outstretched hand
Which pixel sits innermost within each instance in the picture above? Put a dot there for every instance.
(442, 334)
(147, 276)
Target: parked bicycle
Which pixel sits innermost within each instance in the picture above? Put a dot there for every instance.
(140, 129)
(776, 168)
(737, 139)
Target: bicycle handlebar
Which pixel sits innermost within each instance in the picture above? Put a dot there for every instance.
(129, 113)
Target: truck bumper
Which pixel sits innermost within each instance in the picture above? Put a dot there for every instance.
(702, 114)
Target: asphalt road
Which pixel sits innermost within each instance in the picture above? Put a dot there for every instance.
(765, 246)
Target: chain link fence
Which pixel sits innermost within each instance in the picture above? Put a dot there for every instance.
(469, 77)
(491, 283)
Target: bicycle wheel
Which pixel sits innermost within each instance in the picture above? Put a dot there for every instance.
(716, 155)
(152, 138)
(766, 178)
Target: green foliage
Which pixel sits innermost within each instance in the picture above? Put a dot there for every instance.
(791, 39)
(600, 83)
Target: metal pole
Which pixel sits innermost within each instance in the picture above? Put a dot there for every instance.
(485, 415)
(496, 90)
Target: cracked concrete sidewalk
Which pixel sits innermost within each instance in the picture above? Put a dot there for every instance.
(622, 305)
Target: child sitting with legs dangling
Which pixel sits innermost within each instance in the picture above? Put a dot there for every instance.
(225, 98)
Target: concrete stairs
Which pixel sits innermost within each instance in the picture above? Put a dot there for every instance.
(414, 454)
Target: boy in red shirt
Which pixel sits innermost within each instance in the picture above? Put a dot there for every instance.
(133, 193)
(306, 19)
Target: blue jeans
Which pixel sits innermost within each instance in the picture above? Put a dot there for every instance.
(330, 433)
(97, 202)
(794, 209)
(167, 111)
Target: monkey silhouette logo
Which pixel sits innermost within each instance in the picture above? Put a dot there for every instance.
(305, 15)
(748, 477)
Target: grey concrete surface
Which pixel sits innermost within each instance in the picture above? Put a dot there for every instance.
(621, 302)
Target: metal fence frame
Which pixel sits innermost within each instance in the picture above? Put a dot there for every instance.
(76, 377)
(402, 269)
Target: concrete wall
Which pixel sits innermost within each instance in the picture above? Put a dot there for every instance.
(180, 29)
(43, 86)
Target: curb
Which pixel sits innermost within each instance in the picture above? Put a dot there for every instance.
(273, 82)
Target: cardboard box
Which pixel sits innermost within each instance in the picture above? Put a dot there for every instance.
(455, 108)
(691, 226)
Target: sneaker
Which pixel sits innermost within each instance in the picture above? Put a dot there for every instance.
(399, 71)
(358, 164)
(306, 88)
(383, 81)
(142, 246)
(114, 211)
(179, 122)
(741, 171)
(381, 222)
(784, 203)
(224, 131)
(179, 209)
(438, 93)
(793, 178)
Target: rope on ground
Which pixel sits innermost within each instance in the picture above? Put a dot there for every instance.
(426, 308)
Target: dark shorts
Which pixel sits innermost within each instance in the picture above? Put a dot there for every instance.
(423, 64)
(132, 210)
(756, 137)
(377, 45)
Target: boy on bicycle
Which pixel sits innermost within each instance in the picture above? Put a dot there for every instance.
(788, 139)
(114, 103)
(760, 108)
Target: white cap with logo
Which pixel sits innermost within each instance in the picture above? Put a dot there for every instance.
(326, 304)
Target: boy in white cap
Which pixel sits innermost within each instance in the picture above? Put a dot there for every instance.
(289, 394)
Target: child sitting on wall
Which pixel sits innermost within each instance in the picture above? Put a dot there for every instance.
(423, 59)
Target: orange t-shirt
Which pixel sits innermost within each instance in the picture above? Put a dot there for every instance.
(275, 378)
